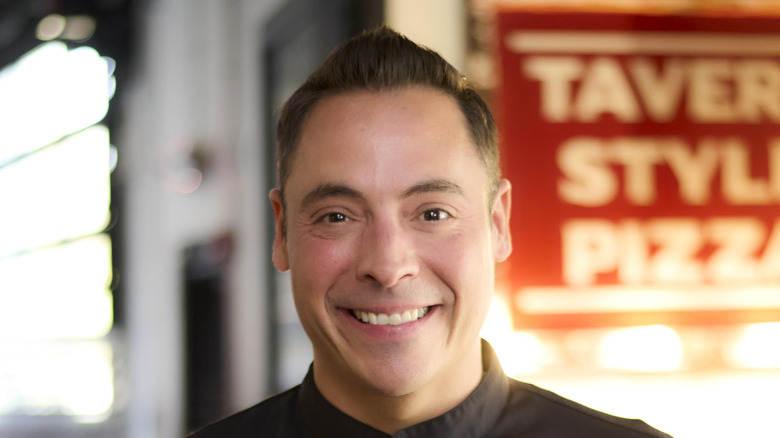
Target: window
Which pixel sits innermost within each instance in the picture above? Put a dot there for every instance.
(56, 310)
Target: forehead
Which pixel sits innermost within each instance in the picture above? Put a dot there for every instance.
(417, 106)
(406, 130)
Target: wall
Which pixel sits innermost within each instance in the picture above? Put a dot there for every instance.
(196, 80)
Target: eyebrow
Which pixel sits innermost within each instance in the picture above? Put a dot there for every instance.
(433, 186)
(325, 191)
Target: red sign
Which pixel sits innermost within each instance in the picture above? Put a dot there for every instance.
(644, 153)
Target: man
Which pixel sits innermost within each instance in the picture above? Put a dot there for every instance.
(390, 216)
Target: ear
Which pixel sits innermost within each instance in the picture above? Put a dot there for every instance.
(502, 206)
(279, 257)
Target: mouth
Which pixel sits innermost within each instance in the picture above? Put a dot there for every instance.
(391, 319)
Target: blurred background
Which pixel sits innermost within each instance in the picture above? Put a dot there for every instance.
(137, 297)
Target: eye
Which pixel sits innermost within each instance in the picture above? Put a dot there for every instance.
(434, 214)
(334, 217)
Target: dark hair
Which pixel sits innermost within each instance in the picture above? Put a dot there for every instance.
(378, 60)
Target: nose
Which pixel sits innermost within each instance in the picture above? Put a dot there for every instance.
(387, 255)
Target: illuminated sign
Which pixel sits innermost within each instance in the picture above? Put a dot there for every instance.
(644, 153)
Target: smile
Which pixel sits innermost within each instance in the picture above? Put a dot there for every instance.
(393, 319)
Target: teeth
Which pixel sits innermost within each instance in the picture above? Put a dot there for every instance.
(394, 319)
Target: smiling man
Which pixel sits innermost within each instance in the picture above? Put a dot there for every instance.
(390, 217)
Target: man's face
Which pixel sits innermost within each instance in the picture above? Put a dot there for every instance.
(389, 240)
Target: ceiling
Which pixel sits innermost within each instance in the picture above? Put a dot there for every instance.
(19, 19)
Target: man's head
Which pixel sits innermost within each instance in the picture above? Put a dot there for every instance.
(385, 230)
(383, 60)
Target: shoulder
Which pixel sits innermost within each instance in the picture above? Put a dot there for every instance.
(543, 410)
(277, 414)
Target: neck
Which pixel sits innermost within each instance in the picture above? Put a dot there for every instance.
(390, 413)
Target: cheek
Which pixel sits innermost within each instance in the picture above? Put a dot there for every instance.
(463, 262)
(315, 263)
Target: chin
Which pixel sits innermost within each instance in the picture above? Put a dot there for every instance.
(396, 379)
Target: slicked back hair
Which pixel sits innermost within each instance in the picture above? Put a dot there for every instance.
(383, 60)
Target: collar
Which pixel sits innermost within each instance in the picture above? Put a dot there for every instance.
(474, 417)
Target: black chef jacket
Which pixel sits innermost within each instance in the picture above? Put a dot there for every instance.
(499, 407)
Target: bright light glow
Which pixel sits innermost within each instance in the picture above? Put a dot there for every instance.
(60, 193)
(50, 27)
(49, 93)
(518, 352)
(56, 306)
(113, 158)
(79, 28)
(649, 348)
(61, 378)
(758, 347)
(601, 299)
(186, 180)
(60, 292)
(707, 404)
